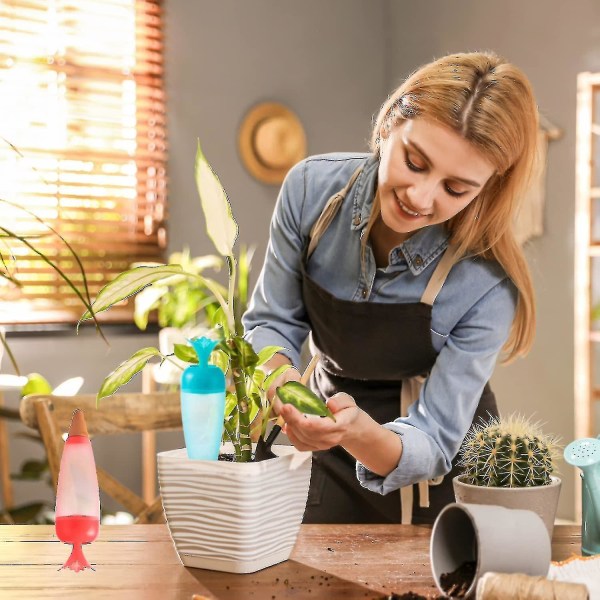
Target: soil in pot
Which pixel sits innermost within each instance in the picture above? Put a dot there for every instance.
(457, 583)
(231, 457)
(227, 457)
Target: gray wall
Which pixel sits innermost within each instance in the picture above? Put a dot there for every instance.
(333, 62)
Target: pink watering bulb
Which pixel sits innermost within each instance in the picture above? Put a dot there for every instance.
(77, 496)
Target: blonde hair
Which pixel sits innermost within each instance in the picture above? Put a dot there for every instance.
(490, 103)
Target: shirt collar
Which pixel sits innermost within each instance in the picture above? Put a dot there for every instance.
(362, 193)
(421, 248)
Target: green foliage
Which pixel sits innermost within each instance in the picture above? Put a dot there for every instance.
(179, 300)
(36, 384)
(246, 397)
(303, 399)
(508, 453)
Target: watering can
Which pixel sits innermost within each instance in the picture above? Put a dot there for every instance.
(585, 454)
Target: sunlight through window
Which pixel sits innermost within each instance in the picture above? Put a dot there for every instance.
(82, 147)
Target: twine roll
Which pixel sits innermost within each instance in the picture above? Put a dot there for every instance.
(516, 586)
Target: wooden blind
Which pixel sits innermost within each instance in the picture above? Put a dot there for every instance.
(82, 101)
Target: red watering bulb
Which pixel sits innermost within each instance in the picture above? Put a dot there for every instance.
(77, 496)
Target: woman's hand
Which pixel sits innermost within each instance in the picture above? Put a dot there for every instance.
(308, 432)
(376, 447)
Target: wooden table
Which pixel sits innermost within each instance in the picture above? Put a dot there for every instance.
(139, 561)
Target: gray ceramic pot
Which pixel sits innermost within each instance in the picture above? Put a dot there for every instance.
(495, 538)
(543, 499)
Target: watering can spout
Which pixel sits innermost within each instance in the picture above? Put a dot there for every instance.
(585, 454)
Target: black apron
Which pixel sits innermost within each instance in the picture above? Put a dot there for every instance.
(363, 355)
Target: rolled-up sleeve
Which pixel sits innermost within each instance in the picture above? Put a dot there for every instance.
(438, 421)
(276, 315)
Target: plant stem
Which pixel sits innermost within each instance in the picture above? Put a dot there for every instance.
(232, 436)
(231, 293)
(243, 403)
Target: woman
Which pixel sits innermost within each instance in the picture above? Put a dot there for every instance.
(401, 263)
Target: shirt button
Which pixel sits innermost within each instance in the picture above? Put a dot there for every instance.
(365, 292)
(357, 219)
(418, 260)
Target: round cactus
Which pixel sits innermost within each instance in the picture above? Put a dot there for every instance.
(507, 453)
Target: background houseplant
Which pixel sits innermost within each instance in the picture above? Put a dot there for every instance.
(184, 306)
(510, 462)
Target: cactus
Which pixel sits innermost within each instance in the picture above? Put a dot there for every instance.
(507, 453)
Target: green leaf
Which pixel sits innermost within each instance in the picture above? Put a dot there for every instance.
(220, 359)
(255, 406)
(145, 302)
(274, 374)
(247, 356)
(244, 265)
(125, 371)
(129, 283)
(185, 353)
(220, 224)
(217, 318)
(230, 403)
(298, 395)
(267, 353)
(36, 384)
(258, 378)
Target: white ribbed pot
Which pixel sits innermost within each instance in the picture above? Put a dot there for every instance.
(541, 499)
(234, 517)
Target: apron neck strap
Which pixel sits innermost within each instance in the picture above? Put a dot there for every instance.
(326, 217)
(438, 278)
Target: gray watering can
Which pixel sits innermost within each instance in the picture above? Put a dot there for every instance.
(585, 454)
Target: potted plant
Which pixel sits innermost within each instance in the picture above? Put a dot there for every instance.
(242, 515)
(509, 462)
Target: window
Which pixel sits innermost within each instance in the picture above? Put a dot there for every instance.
(82, 102)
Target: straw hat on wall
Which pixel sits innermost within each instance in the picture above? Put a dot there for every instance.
(271, 140)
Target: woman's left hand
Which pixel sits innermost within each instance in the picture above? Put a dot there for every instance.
(308, 432)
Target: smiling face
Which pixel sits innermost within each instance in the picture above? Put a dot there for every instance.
(427, 174)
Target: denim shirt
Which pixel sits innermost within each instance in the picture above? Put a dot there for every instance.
(471, 316)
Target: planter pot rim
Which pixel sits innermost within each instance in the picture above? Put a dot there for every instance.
(284, 454)
(555, 482)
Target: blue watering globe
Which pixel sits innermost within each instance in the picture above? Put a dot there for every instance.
(585, 454)
(203, 403)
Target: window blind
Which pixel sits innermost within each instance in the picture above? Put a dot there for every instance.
(83, 148)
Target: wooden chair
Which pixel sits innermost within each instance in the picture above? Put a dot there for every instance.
(122, 413)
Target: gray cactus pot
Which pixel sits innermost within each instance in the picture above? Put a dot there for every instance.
(542, 499)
